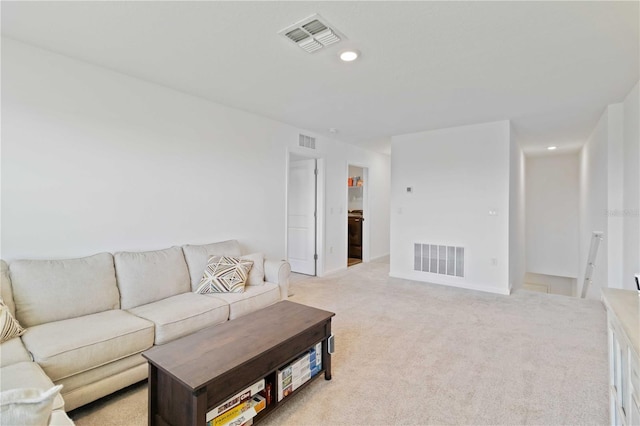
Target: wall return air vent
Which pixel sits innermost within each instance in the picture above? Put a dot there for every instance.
(306, 141)
(312, 33)
(438, 259)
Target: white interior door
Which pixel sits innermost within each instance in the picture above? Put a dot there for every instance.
(301, 222)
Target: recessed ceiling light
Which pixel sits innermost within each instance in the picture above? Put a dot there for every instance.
(551, 148)
(349, 55)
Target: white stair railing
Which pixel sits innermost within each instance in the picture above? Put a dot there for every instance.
(596, 237)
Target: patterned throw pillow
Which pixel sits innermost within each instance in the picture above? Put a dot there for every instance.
(9, 327)
(224, 274)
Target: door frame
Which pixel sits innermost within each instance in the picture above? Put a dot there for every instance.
(320, 195)
(366, 212)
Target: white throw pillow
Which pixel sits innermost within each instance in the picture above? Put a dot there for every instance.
(27, 406)
(256, 274)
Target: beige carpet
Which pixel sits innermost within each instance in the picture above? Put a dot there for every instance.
(414, 353)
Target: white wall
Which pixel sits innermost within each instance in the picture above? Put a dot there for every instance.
(610, 195)
(552, 214)
(631, 241)
(594, 204)
(517, 216)
(615, 195)
(457, 175)
(93, 160)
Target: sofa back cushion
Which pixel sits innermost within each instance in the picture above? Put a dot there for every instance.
(6, 294)
(197, 257)
(145, 277)
(54, 290)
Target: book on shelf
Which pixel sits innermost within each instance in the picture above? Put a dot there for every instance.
(235, 416)
(284, 379)
(259, 403)
(315, 359)
(242, 414)
(235, 400)
(298, 372)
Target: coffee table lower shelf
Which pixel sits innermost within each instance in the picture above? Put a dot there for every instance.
(194, 374)
(277, 404)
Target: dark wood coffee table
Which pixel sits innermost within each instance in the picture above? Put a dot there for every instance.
(193, 374)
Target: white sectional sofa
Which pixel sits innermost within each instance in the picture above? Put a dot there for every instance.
(88, 320)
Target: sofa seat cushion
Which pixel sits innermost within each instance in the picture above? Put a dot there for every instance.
(13, 351)
(68, 347)
(27, 375)
(254, 297)
(183, 314)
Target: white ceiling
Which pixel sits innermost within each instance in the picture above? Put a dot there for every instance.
(550, 67)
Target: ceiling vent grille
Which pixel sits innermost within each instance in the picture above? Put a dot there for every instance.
(297, 35)
(310, 45)
(312, 34)
(314, 27)
(306, 141)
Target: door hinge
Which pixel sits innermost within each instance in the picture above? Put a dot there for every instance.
(315, 257)
(315, 172)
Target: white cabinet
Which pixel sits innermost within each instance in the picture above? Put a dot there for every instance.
(623, 320)
(634, 394)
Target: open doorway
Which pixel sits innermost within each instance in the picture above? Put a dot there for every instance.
(357, 231)
(552, 223)
(302, 207)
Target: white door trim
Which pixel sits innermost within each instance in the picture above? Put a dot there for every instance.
(366, 225)
(320, 202)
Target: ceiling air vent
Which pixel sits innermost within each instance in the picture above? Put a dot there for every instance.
(312, 33)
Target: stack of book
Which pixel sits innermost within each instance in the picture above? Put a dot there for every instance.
(240, 409)
(315, 359)
(299, 371)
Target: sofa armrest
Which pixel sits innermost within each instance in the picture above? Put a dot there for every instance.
(277, 272)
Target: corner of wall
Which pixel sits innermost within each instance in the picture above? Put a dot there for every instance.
(471, 167)
(631, 190)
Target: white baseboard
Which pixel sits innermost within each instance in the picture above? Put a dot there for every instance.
(333, 271)
(379, 258)
(465, 285)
